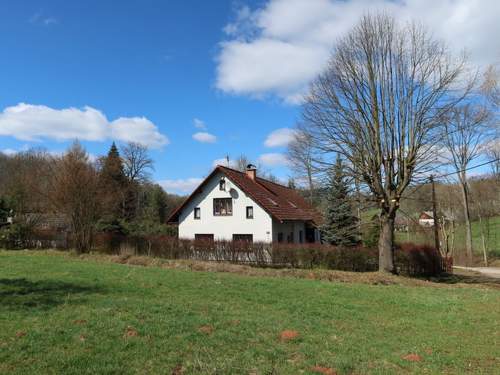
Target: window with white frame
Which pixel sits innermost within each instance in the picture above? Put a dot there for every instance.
(223, 206)
(249, 212)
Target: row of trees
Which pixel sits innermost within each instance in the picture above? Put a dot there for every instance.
(111, 194)
(397, 106)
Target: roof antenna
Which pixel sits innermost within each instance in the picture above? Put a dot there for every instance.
(227, 160)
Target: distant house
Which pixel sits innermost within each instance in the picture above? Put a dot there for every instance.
(426, 219)
(401, 224)
(48, 222)
(234, 205)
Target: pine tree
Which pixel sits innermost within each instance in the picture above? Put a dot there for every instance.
(114, 187)
(341, 226)
(112, 167)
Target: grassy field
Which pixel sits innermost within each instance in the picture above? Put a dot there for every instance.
(60, 314)
(426, 236)
(492, 241)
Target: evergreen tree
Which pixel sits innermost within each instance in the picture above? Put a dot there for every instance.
(112, 167)
(4, 211)
(114, 188)
(341, 226)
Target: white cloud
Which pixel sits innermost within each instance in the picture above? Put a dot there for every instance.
(279, 48)
(137, 129)
(279, 137)
(49, 21)
(29, 122)
(180, 186)
(204, 137)
(9, 151)
(199, 124)
(273, 160)
(39, 18)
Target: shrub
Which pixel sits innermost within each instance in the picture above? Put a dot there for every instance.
(410, 259)
(15, 236)
(419, 260)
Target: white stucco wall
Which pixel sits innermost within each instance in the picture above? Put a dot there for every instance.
(426, 222)
(223, 227)
(286, 228)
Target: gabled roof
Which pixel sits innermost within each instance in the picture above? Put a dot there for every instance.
(426, 215)
(281, 202)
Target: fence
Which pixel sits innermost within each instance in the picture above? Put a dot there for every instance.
(409, 259)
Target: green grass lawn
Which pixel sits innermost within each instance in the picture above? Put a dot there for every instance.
(63, 315)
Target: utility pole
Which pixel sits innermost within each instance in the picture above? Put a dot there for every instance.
(434, 214)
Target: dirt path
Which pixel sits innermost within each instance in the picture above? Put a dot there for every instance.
(493, 272)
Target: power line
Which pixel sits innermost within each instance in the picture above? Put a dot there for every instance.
(468, 168)
(440, 176)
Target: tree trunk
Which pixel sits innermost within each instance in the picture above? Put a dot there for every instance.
(468, 229)
(386, 243)
(485, 250)
(452, 238)
(311, 186)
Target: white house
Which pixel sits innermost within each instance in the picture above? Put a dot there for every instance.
(234, 205)
(426, 219)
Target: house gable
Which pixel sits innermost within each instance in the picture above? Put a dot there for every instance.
(282, 203)
(205, 222)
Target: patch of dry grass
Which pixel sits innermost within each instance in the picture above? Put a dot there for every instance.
(370, 278)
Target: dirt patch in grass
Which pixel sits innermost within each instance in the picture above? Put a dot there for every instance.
(178, 370)
(288, 335)
(412, 357)
(130, 332)
(323, 370)
(206, 329)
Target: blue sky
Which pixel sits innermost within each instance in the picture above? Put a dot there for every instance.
(194, 80)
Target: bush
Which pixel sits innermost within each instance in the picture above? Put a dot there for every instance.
(419, 260)
(15, 236)
(410, 259)
(358, 259)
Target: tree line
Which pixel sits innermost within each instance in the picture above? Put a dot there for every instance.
(113, 193)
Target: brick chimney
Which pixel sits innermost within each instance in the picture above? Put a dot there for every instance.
(251, 171)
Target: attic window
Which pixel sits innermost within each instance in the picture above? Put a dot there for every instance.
(272, 202)
(223, 206)
(292, 204)
(222, 184)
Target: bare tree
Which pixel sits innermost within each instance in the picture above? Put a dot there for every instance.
(491, 90)
(137, 162)
(493, 155)
(491, 85)
(300, 154)
(379, 103)
(464, 134)
(74, 192)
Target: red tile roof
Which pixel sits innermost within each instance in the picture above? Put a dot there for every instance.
(281, 202)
